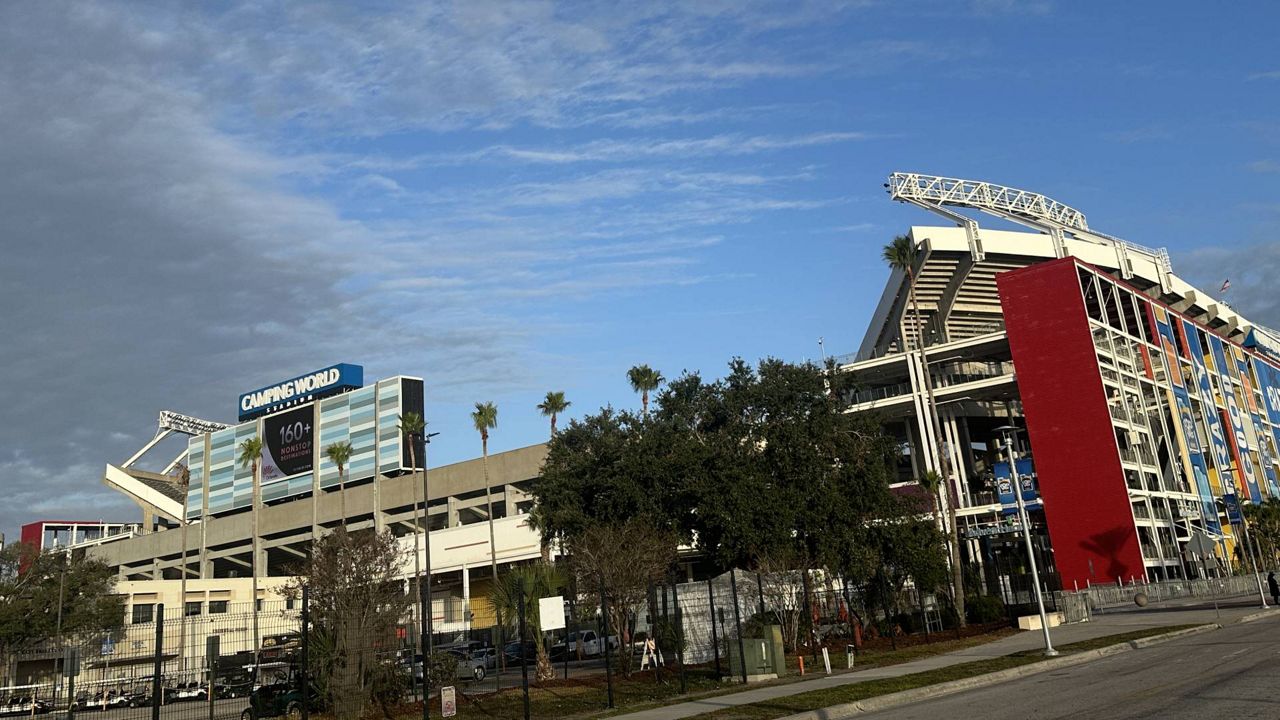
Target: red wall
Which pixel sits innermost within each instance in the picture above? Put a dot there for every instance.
(1072, 441)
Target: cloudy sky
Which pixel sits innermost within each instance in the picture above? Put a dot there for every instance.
(508, 198)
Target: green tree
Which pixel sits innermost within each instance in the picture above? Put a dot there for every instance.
(52, 596)
(900, 254)
(552, 406)
(339, 454)
(644, 380)
(906, 549)
(250, 456)
(761, 462)
(524, 585)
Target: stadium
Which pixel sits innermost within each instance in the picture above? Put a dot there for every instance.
(1149, 408)
(1148, 413)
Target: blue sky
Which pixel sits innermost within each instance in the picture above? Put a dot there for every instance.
(510, 198)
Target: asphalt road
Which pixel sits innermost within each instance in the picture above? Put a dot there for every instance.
(1230, 673)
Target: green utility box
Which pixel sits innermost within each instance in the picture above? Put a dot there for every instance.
(765, 655)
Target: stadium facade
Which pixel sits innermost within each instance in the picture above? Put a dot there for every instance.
(1152, 410)
(194, 550)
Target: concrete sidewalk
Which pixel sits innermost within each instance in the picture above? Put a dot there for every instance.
(1111, 622)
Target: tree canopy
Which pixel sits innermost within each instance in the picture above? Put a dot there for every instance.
(759, 462)
(47, 595)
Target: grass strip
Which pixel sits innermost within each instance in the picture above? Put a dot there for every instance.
(583, 698)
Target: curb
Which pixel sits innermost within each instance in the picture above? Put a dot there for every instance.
(1157, 639)
(1270, 612)
(885, 702)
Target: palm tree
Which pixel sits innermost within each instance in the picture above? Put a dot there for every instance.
(900, 254)
(485, 418)
(411, 427)
(552, 406)
(524, 586)
(644, 379)
(251, 456)
(339, 454)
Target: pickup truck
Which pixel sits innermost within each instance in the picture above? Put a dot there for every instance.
(590, 641)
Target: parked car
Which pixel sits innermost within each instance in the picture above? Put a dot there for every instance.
(487, 655)
(190, 691)
(590, 641)
(280, 699)
(23, 705)
(469, 668)
(512, 651)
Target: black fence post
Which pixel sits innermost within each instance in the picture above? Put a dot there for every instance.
(304, 678)
(604, 615)
(157, 670)
(424, 642)
(737, 620)
(675, 601)
(524, 656)
(715, 640)
(571, 627)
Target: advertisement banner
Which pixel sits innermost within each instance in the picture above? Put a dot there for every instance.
(1185, 427)
(1269, 384)
(287, 444)
(1026, 478)
(1217, 433)
(1232, 504)
(1236, 438)
(1255, 430)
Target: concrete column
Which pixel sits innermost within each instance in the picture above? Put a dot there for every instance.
(451, 510)
(466, 597)
(509, 498)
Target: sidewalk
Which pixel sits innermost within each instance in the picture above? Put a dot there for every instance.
(1111, 622)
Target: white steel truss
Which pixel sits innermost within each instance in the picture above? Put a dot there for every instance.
(1047, 215)
(932, 189)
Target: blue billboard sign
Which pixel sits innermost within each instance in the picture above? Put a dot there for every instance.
(1026, 478)
(304, 388)
(1232, 503)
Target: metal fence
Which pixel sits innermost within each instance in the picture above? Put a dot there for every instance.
(201, 664)
(206, 663)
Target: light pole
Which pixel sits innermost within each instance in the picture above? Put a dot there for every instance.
(1008, 432)
(425, 591)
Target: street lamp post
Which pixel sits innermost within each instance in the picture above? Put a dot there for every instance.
(427, 640)
(1008, 432)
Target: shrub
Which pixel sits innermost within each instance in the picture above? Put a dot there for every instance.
(983, 609)
(442, 669)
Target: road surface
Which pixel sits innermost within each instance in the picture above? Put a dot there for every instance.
(1231, 673)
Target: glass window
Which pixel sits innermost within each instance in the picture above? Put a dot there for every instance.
(193, 608)
(1091, 302)
(217, 607)
(143, 613)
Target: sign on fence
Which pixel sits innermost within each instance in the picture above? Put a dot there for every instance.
(448, 702)
(551, 613)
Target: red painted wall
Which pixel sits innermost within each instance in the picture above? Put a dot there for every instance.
(1072, 441)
